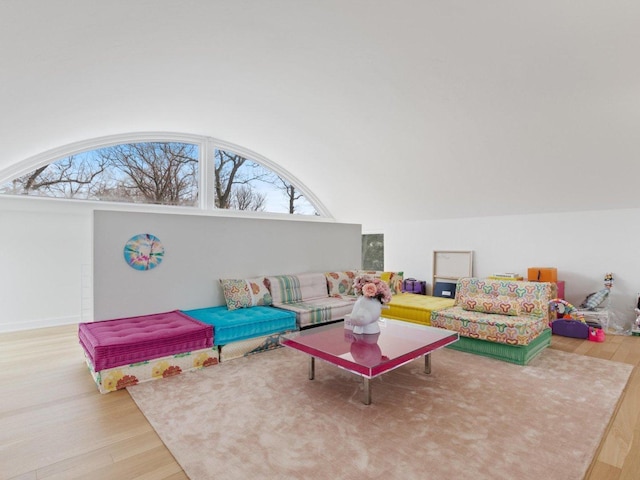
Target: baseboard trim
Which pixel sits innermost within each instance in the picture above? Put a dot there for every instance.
(39, 323)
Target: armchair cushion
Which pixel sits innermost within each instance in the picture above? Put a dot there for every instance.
(501, 304)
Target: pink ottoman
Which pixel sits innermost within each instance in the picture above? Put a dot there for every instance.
(116, 348)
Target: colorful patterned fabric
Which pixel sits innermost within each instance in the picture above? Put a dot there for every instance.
(117, 378)
(245, 293)
(340, 283)
(531, 298)
(415, 308)
(511, 330)
(501, 304)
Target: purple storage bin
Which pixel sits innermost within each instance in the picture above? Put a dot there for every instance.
(570, 328)
(411, 285)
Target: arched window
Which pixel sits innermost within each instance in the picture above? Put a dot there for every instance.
(161, 169)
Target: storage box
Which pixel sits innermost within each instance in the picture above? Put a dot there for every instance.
(570, 328)
(542, 274)
(444, 290)
(411, 285)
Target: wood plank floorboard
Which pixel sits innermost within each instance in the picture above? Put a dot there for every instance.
(54, 424)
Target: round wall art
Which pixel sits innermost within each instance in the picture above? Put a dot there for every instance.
(143, 252)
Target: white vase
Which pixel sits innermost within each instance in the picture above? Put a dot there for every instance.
(365, 315)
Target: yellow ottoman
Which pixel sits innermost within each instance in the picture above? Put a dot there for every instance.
(415, 308)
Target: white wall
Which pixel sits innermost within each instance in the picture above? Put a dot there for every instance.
(201, 249)
(582, 246)
(43, 248)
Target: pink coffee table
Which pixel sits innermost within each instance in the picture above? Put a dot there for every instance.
(370, 355)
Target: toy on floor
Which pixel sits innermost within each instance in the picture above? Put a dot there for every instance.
(571, 323)
(596, 334)
(565, 310)
(594, 299)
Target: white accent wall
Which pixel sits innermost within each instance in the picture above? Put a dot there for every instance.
(45, 249)
(583, 246)
(202, 249)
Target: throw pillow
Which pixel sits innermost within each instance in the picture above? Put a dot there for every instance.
(395, 282)
(340, 283)
(499, 304)
(245, 293)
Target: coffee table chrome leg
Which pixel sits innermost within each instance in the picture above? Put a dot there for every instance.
(427, 363)
(312, 368)
(367, 391)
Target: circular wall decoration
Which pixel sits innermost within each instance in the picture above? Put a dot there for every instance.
(143, 252)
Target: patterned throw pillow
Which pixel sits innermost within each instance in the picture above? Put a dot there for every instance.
(395, 281)
(500, 304)
(340, 283)
(245, 293)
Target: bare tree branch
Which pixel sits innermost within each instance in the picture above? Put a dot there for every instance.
(245, 198)
(161, 173)
(232, 171)
(67, 177)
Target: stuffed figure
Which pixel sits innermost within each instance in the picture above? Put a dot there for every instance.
(593, 300)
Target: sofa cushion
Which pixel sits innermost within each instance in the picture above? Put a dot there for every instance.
(340, 283)
(243, 323)
(244, 293)
(500, 304)
(123, 341)
(320, 310)
(297, 288)
(510, 330)
(532, 297)
(414, 308)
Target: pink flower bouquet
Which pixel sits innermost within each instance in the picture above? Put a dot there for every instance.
(372, 287)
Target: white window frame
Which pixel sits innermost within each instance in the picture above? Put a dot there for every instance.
(206, 146)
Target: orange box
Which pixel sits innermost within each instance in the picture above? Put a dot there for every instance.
(542, 274)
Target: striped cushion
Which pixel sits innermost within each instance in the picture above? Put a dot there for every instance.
(320, 310)
(297, 288)
(285, 288)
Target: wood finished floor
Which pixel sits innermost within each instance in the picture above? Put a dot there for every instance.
(55, 425)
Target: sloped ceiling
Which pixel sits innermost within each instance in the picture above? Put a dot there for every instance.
(403, 110)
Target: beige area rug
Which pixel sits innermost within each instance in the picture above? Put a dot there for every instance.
(471, 418)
